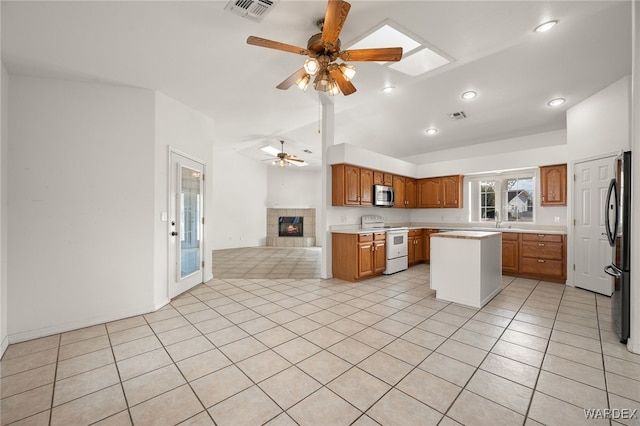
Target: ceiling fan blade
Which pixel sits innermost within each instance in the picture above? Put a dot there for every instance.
(263, 42)
(291, 80)
(334, 19)
(386, 54)
(290, 158)
(346, 87)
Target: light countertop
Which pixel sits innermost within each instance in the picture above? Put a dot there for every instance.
(467, 235)
(530, 229)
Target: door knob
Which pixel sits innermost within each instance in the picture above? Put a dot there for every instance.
(174, 233)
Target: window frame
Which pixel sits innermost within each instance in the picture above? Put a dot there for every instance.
(500, 178)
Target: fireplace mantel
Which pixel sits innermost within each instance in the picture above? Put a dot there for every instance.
(308, 238)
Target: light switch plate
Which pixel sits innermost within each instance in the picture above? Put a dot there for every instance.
(163, 216)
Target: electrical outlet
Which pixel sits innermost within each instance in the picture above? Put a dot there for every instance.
(557, 219)
(343, 219)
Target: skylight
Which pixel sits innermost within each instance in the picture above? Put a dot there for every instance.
(420, 62)
(416, 58)
(387, 36)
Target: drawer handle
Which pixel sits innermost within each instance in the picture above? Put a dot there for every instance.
(541, 235)
(540, 261)
(541, 245)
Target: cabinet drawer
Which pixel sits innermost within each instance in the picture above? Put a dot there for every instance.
(557, 238)
(510, 236)
(379, 236)
(539, 250)
(362, 238)
(415, 233)
(541, 267)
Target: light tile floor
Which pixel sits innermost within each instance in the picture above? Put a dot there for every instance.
(267, 262)
(239, 351)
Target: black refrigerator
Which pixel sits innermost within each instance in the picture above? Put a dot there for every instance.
(618, 228)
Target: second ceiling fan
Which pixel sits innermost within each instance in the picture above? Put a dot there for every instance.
(323, 50)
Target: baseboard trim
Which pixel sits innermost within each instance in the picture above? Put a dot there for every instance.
(4, 345)
(76, 325)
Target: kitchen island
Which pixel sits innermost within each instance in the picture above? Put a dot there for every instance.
(466, 266)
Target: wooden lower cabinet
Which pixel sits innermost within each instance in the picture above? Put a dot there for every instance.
(358, 256)
(415, 246)
(510, 252)
(535, 256)
(426, 236)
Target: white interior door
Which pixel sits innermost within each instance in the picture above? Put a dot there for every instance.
(591, 248)
(186, 212)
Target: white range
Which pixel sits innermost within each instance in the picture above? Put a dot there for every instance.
(397, 247)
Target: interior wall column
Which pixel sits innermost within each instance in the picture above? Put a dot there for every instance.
(327, 136)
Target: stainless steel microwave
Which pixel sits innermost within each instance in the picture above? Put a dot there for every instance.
(383, 196)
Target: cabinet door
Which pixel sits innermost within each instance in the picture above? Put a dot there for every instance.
(380, 256)
(429, 193)
(352, 185)
(411, 250)
(378, 178)
(399, 191)
(366, 187)
(452, 191)
(365, 259)
(419, 244)
(510, 256)
(553, 185)
(387, 179)
(410, 193)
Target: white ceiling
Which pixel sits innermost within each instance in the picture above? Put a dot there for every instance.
(195, 52)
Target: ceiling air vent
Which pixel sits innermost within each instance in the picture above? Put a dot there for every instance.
(254, 10)
(457, 115)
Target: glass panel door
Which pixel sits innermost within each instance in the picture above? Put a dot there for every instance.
(190, 218)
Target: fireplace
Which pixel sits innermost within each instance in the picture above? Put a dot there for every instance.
(290, 226)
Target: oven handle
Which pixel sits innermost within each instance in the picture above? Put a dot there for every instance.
(613, 271)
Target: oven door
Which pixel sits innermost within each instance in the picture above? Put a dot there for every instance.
(397, 244)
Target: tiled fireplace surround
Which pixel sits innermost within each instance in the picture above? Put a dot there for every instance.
(308, 238)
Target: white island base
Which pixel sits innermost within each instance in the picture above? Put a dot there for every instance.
(466, 266)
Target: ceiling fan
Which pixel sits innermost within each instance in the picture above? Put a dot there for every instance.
(323, 50)
(283, 159)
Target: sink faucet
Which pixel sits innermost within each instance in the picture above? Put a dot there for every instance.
(497, 219)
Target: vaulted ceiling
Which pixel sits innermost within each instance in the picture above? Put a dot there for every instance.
(196, 53)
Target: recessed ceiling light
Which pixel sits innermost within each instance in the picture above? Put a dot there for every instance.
(387, 89)
(431, 131)
(545, 27)
(469, 95)
(556, 102)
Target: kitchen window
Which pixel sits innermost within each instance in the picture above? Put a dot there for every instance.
(502, 198)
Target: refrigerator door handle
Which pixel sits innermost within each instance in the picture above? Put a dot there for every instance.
(611, 203)
(613, 271)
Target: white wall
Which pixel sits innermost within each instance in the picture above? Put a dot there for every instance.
(191, 132)
(81, 205)
(634, 339)
(239, 201)
(601, 123)
(4, 181)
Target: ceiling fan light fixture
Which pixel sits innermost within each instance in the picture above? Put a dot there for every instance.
(334, 89)
(349, 71)
(311, 66)
(303, 82)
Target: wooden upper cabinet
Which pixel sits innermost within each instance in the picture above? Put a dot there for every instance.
(366, 187)
(429, 193)
(410, 193)
(381, 178)
(351, 186)
(553, 185)
(399, 185)
(452, 192)
(440, 192)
